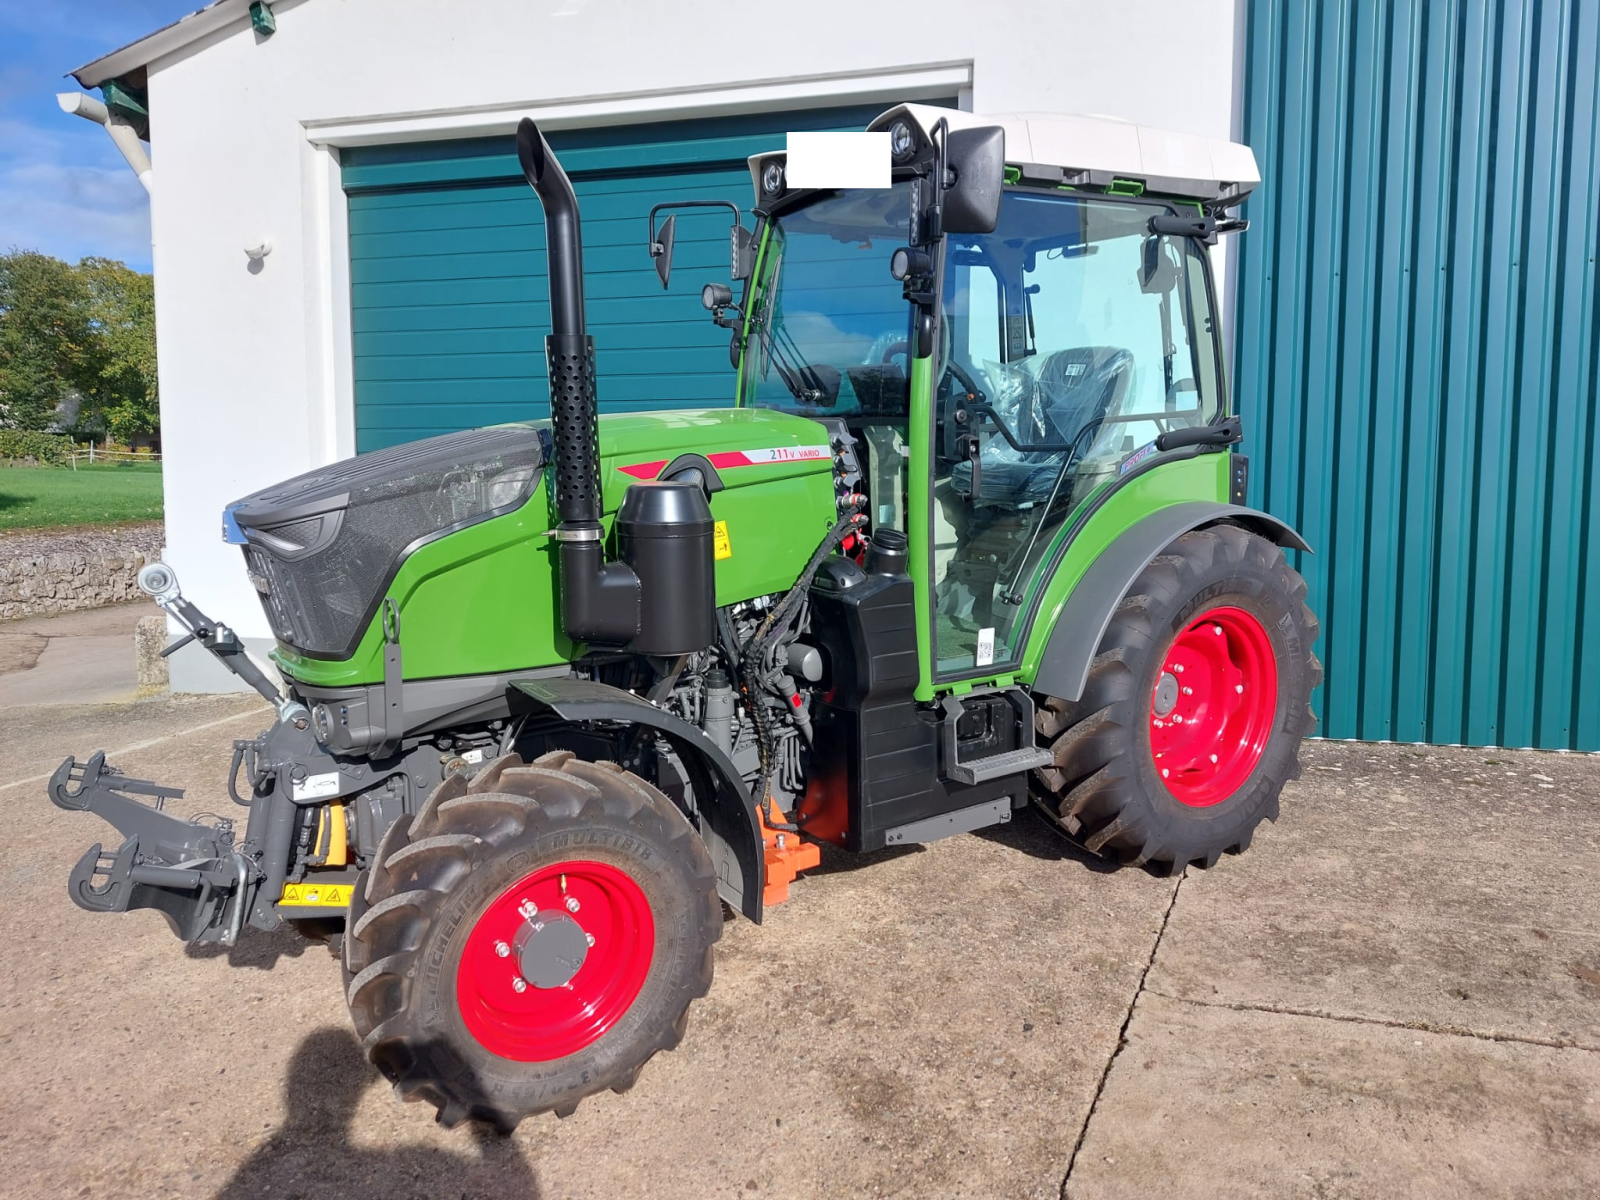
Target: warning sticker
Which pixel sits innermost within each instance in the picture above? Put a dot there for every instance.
(719, 539)
(316, 786)
(316, 895)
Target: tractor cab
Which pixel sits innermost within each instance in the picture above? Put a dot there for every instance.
(999, 371)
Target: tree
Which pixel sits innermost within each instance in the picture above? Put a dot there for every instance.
(121, 386)
(45, 341)
(84, 333)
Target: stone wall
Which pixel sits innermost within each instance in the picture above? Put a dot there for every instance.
(53, 572)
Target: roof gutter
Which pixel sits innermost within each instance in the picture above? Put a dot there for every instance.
(122, 135)
(169, 39)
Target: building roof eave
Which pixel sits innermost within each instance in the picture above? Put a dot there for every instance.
(166, 40)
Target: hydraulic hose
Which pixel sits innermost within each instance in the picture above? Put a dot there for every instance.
(767, 636)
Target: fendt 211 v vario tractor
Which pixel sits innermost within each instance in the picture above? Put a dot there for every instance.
(553, 692)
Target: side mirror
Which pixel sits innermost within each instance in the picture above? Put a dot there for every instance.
(660, 240)
(1158, 274)
(661, 248)
(977, 159)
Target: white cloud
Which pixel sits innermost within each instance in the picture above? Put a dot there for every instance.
(74, 211)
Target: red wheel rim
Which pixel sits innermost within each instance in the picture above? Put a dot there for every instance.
(543, 921)
(1212, 708)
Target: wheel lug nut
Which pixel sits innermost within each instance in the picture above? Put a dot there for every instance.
(1177, 718)
(527, 909)
(1164, 772)
(572, 904)
(501, 949)
(1188, 691)
(1178, 668)
(519, 984)
(590, 936)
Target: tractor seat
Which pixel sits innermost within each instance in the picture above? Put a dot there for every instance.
(1080, 386)
(1075, 388)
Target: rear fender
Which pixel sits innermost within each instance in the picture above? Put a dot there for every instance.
(1075, 640)
(730, 827)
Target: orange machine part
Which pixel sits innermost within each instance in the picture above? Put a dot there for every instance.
(786, 857)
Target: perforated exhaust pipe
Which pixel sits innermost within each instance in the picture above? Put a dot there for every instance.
(599, 600)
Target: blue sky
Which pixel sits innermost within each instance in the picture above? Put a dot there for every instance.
(64, 189)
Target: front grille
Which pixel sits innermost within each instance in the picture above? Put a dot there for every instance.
(325, 573)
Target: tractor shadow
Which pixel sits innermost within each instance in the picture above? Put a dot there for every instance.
(313, 1155)
(260, 950)
(840, 862)
(1029, 832)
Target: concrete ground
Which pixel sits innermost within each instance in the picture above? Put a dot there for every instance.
(1395, 992)
(75, 658)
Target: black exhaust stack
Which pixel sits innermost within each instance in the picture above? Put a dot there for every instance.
(599, 600)
(666, 534)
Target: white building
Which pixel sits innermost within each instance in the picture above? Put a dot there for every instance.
(402, 293)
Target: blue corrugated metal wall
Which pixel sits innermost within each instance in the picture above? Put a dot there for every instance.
(1416, 353)
(449, 304)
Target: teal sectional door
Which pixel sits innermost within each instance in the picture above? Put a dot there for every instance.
(449, 303)
(1418, 344)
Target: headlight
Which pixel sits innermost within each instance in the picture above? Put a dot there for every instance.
(772, 178)
(901, 141)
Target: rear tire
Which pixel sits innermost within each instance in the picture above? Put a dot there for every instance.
(1226, 603)
(438, 938)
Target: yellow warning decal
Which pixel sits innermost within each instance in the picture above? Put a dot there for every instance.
(721, 542)
(316, 895)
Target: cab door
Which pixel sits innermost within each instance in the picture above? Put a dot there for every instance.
(1073, 337)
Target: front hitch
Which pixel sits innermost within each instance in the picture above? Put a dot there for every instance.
(186, 870)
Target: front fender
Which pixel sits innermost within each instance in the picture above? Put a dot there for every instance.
(1073, 643)
(731, 829)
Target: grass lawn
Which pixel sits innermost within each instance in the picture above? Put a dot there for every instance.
(50, 497)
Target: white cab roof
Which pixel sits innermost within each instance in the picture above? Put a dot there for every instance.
(1093, 150)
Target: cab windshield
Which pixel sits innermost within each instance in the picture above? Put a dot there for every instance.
(829, 328)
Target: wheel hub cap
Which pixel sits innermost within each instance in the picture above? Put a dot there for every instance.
(1166, 698)
(550, 949)
(555, 961)
(1212, 707)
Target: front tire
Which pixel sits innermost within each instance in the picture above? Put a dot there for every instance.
(531, 937)
(1192, 717)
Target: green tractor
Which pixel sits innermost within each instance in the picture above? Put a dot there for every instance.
(554, 693)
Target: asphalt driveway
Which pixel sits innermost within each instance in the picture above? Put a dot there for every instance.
(1395, 992)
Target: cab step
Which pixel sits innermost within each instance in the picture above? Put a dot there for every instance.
(973, 721)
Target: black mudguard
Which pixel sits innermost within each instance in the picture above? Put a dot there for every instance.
(730, 826)
(1075, 640)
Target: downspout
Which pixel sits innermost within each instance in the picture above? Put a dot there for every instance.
(123, 136)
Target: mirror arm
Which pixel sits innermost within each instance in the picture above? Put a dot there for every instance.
(940, 137)
(739, 246)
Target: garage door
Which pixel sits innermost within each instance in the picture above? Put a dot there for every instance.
(447, 270)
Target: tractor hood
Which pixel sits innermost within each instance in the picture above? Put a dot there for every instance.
(323, 547)
(743, 446)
